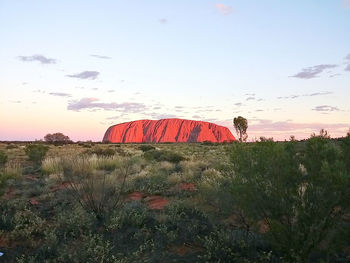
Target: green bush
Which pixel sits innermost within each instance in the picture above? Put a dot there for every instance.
(11, 146)
(299, 197)
(3, 158)
(237, 245)
(101, 151)
(146, 147)
(36, 152)
(163, 155)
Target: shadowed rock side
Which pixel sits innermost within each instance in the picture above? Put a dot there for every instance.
(167, 130)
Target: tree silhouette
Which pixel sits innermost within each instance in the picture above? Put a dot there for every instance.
(57, 138)
(241, 126)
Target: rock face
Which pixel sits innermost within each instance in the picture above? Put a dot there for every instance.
(167, 130)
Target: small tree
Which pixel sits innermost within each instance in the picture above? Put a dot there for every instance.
(241, 126)
(57, 138)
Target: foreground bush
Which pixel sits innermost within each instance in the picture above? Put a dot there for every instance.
(3, 158)
(97, 191)
(36, 152)
(297, 199)
(163, 155)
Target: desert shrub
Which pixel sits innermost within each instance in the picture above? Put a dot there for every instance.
(186, 222)
(192, 170)
(163, 155)
(214, 189)
(235, 245)
(97, 191)
(146, 147)
(11, 146)
(72, 223)
(3, 158)
(27, 225)
(36, 152)
(300, 197)
(133, 215)
(101, 152)
(11, 171)
(52, 165)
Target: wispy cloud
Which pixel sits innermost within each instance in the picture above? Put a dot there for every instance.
(93, 103)
(313, 72)
(325, 108)
(347, 58)
(224, 9)
(99, 56)
(85, 75)
(163, 21)
(250, 98)
(60, 94)
(158, 116)
(306, 95)
(39, 58)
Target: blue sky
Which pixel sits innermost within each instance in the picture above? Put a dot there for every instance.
(81, 66)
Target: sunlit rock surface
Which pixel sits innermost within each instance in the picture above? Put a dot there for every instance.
(167, 130)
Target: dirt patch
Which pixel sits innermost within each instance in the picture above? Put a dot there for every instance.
(32, 178)
(10, 192)
(33, 201)
(185, 249)
(60, 186)
(187, 187)
(135, 196)
(156, 202)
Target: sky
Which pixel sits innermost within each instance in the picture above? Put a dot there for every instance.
(78, 67)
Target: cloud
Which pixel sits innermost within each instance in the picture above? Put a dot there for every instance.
(347, 68)
(306, 95)
(15, 101)
(224, 9)
(92, 103)
(325, 108)
(60, 94)
(196, 117)
(85, 75)
(238, 104)
(111, 90)
(99, 56)
(250, 98)
(313, 72)
(40, 58)
(163, 21)
(39, 91)
(158, 116)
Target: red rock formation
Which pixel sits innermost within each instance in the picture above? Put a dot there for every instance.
(167, 130)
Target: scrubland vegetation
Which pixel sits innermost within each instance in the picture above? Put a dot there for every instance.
(241, 202)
